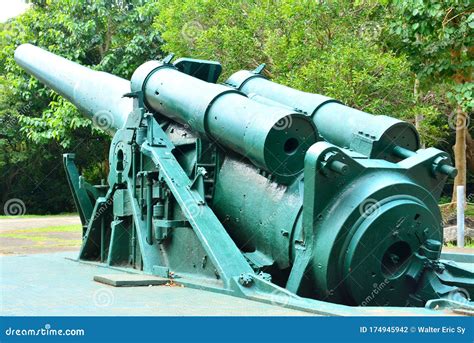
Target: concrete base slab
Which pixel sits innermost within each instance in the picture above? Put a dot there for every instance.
(130, 280)
(54, 285)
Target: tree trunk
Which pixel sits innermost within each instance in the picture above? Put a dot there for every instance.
(418, 117)
(460, 151)
(470, 153)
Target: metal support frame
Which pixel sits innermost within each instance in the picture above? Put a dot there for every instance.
(147, 228)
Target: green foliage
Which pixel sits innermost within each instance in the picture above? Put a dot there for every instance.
(105, 35)
(365, 53)
(437, 35)
(462, 94)
(332, 48)
(433, 128)
(36, 124)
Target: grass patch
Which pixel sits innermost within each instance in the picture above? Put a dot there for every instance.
(46, 230)
(468, 243)
(448, 211)
(39, 216)
(42, 235)
(42, 240)
(470, 210)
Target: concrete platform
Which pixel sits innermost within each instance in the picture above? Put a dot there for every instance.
(53, 285)
(130, 280)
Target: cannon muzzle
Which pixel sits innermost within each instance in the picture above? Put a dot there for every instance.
(98, 95)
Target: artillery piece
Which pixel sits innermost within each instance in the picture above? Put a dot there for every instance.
(258, 190)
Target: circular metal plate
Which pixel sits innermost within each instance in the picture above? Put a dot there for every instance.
(381, 249)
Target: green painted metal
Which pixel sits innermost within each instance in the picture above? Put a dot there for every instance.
(373, 136)
(83, 199)
(232, 193)
(261, 133)
(100, 100)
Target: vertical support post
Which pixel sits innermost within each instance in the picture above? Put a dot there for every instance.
(460, 216)
(134, 187)
(149, 209)
(134, 169)
(102, 239)
(142, 186)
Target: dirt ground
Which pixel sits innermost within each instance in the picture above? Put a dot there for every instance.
(39, 235)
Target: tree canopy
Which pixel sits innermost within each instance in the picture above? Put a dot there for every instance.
(437, 37)
(407, 59)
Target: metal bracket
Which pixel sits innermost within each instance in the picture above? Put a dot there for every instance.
(80, 193)
(259, 69)
(198, 183)
(221, 249)
(208, 71)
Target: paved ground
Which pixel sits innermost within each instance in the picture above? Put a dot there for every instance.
(17, 223)
(20, 235)
(52, 285)
(35, 283)
(459, 250)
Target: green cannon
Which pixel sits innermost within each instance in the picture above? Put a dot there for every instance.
(258, 190)
(378, 137)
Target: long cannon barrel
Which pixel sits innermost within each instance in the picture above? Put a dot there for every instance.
(374, 136)
(274, 138)
(97, 94)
